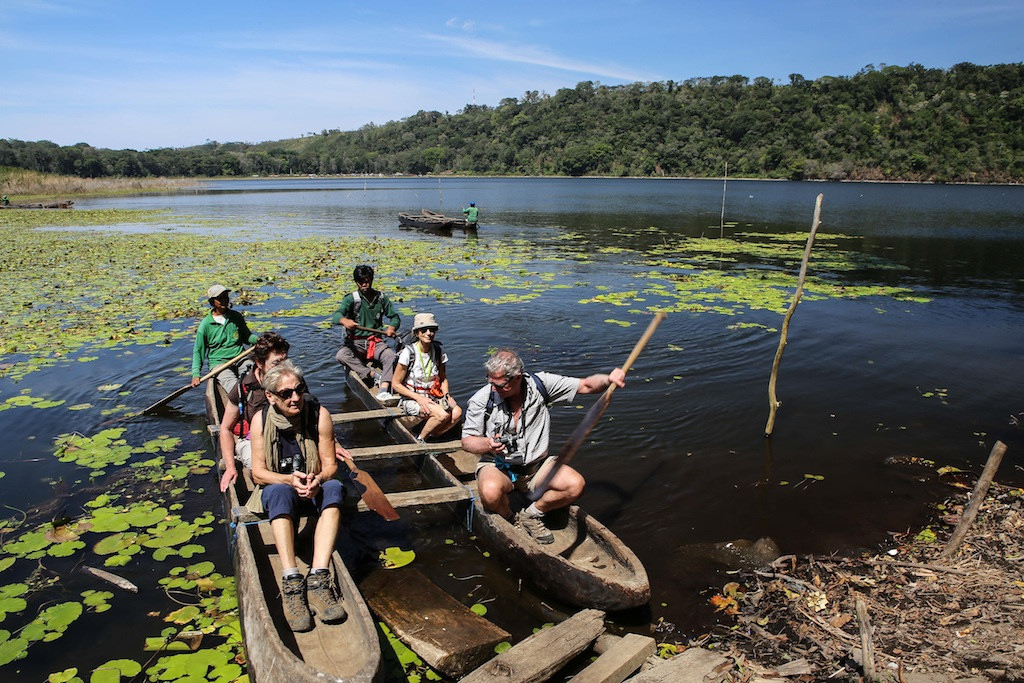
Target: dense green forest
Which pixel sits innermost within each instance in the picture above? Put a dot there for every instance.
(890, 123)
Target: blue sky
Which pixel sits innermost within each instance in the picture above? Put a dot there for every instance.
(144, 74)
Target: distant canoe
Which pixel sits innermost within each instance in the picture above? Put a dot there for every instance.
(49, 205)
(431, 220)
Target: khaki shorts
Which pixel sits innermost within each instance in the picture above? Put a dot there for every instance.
(525, 475)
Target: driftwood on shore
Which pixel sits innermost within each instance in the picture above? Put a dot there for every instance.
(47, 205)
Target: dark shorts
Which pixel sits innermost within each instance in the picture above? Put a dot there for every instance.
(280, 500)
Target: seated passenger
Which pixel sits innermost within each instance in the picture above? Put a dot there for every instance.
(270, 349)
(293, 458)
(422, 382)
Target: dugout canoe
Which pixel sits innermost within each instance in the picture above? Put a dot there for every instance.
(587, 565)
(432, 220)
(348, 652)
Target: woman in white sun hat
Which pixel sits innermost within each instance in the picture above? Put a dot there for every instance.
(421, 381)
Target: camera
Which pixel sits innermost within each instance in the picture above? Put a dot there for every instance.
(512, 454)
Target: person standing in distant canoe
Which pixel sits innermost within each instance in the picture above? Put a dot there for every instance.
(221, 336)
(472, 214)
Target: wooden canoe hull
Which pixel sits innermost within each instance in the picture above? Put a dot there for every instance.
(348, 652)
(431, 220)
(586, 566)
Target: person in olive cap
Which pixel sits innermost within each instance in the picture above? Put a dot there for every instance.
(222, 335)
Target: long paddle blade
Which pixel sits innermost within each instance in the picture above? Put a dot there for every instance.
(592, 417)
(373, 496)
(212, 373)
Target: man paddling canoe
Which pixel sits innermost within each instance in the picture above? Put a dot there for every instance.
(220, 337)
(508, 425)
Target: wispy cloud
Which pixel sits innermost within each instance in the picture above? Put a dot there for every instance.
(519, 53)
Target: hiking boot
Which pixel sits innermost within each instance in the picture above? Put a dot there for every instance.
(323, 599)
(535, 527)
(293, 597)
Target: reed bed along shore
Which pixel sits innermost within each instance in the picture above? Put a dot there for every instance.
(22, 185)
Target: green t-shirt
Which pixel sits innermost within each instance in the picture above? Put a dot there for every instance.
(220, 341)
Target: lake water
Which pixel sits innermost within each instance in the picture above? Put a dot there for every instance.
(680, 459)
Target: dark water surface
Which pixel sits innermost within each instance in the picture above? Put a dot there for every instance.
(680, 458)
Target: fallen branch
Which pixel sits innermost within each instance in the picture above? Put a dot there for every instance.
(866, 647)
(123, 584)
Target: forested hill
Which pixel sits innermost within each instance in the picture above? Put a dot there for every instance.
(894, 123)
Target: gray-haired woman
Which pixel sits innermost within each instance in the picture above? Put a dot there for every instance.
(293, 459)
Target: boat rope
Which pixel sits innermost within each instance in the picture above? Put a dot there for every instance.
(234, 535)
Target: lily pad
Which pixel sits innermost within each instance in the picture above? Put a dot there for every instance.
(393, 558)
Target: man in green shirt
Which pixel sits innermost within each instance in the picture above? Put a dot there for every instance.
(221, 336)
(361, 312)
(472, 213)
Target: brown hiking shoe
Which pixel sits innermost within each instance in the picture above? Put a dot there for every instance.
(324, 599)
(535, 527)
(293, 597)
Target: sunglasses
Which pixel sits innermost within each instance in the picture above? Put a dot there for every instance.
(285, 394)
(502, 385)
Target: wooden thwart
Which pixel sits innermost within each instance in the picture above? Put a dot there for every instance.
(538, 657)
(445, 633)
(402, 450)
(425, 497)
(621, 660)
(382, 413)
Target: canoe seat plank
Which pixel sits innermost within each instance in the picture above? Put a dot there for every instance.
(460, 463)
(620, 661)
(425, 497)
(382, 413)
(538, 657)
(441, 630)
(402, 449)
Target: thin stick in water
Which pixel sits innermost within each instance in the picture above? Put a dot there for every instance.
(773, 400)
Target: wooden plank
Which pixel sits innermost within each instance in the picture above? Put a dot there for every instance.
(460, 463)
(620, 660)
(382, 413)
(402, 450)
(425, 497)
(441, 630)
(545, 652)
(695, 665)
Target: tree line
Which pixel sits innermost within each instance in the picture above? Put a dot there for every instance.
(963, 124)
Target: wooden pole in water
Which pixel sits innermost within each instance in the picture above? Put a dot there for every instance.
(773, 400)
(725, 180)
(977, 497)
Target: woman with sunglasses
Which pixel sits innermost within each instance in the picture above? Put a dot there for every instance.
(421, 381)
(294, 461)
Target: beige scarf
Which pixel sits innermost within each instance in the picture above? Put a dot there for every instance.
(309, 444)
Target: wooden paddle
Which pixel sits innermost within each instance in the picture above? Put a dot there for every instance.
(220, 368)
(372, 496)
(593, 415)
